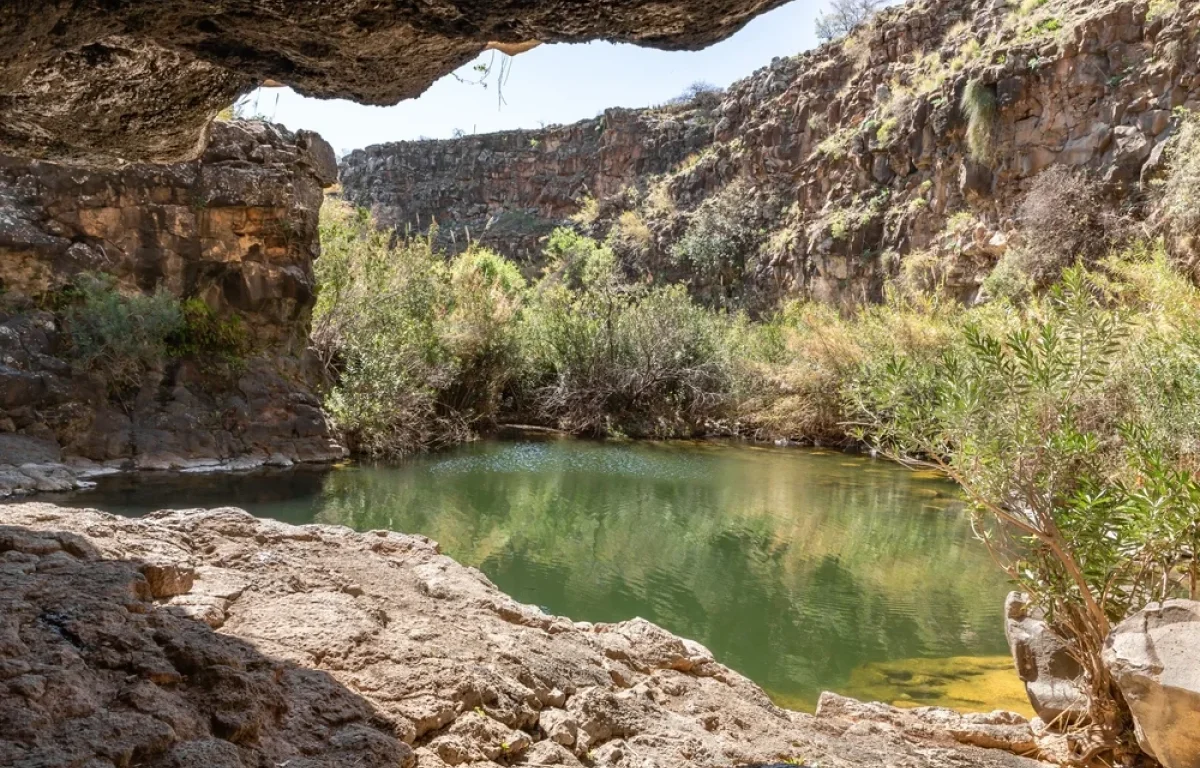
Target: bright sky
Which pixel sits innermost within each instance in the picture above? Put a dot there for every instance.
(550, 84)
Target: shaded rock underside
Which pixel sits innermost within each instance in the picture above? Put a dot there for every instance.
(98, 82)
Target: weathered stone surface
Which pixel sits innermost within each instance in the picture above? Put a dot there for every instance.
(993, 730)
(839, 159)
(338, 648)
(96, 82)
(237, 229)
(1051, 675)
(1154, 656)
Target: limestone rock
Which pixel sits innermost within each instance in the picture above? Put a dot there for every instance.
(995, 730)
(304, 671)
(1049, 672)
(1154, 656)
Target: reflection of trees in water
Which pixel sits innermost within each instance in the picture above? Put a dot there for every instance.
(794, 570)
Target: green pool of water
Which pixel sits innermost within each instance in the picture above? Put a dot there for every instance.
(806, 571)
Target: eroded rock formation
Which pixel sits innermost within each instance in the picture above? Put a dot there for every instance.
(98, 83)
(214, 638)
(236, 229)
(827, 171)
(1052, 677)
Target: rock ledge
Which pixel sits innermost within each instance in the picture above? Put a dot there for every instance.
(211, 637)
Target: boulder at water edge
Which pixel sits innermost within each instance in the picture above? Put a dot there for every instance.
(1154, 656)
(1051, 675)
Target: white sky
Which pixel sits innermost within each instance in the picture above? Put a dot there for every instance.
(550, 84)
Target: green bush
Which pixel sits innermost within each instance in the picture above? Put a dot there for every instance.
(715, 246)
(421, 350)
(124, 335)
(1182, 187)
(979, 105)
(208, 338)
(1069, 428)
(121, 336)
(605, 356)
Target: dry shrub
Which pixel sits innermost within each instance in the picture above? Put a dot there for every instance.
(1063, 220)
(1181, 191)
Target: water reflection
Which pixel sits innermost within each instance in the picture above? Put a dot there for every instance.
(793, 567)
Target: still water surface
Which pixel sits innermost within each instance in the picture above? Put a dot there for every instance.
(806, 571)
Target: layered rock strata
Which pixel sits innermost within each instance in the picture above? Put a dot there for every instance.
(236, 230)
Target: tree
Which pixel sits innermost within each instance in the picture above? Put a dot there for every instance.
(701, 94)
(843, 16)
(1071, 491)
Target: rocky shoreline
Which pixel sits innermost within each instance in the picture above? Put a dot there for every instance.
(212, 636)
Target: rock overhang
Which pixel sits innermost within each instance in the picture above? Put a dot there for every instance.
(96, 83)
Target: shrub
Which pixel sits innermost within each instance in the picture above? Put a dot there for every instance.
(700, 94)
(1062, 220)
(843, 16)
(716, 244)
(589, 211)
(630, 235)
(1072, 488)
(1182, 187)
(979, 105)
(421, 350)
(1009, 280)
(122, 336)
(213, 340)
(610, 358)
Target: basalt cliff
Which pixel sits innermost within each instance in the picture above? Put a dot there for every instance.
(235, 230)
(911, 145)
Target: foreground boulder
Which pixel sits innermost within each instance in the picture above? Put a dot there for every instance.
(1154, 656)
(213, 638)
(1051, 675)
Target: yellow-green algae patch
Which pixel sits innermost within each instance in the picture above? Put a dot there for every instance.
(962, 683)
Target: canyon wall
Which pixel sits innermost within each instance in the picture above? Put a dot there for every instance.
(237, 230)
(509, 190)
(823, 174)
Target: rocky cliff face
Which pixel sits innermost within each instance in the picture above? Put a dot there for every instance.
(509, 190)
(822, 174)
(236, 229)
(210, 638)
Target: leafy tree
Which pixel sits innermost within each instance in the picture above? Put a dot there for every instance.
(1078, 503)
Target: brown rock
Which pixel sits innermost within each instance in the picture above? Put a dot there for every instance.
(305, 674)
(1154, 656)
(817, 135)
(236, 229)
(75, 82)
